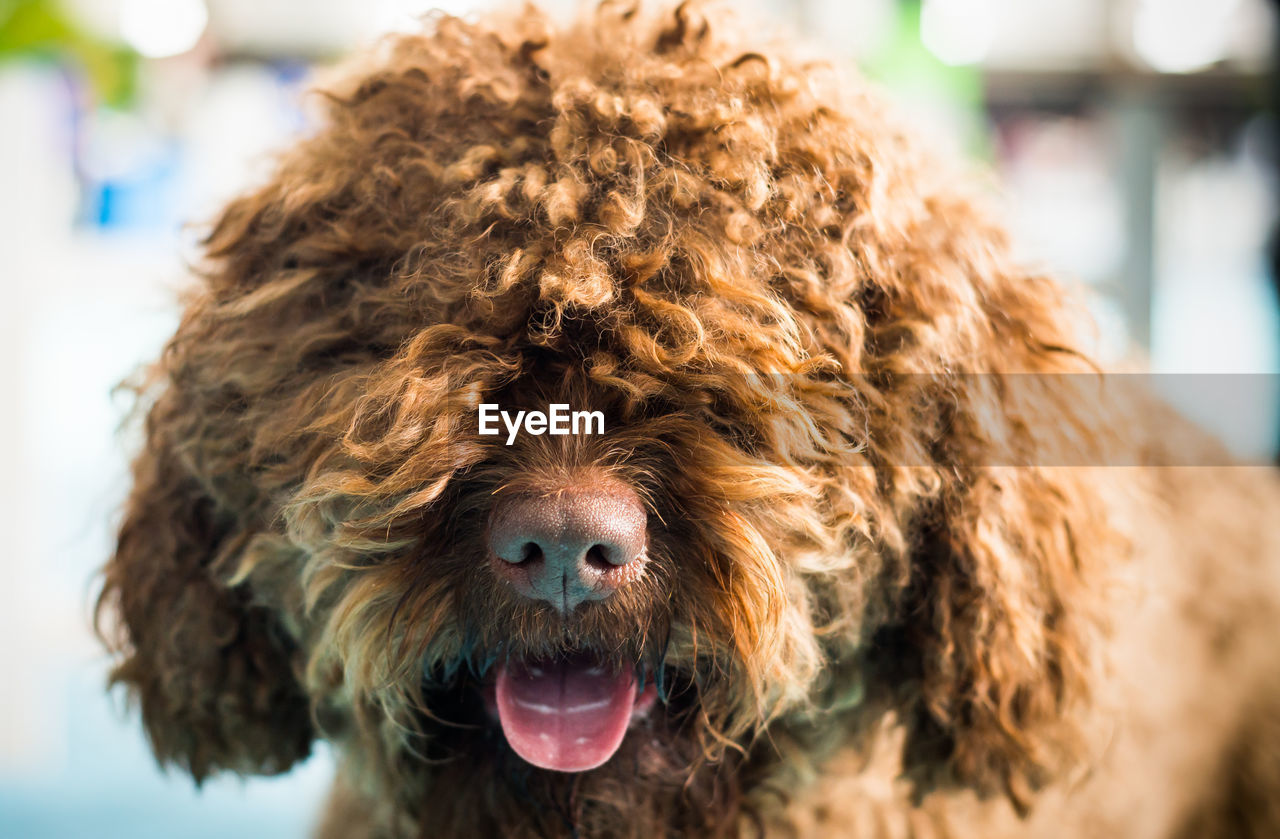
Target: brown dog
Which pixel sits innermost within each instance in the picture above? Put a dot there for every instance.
(812, 564)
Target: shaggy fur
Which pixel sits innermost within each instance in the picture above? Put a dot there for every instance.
(878, 601)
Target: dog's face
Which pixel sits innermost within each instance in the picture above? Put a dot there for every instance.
(549, 595)
(731, 273)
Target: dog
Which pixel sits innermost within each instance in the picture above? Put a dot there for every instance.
(843, 545)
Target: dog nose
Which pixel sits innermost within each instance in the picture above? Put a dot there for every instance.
(569, 545)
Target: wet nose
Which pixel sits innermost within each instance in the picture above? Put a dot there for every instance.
(569, 545)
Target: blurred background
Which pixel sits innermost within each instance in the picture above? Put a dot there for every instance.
(1133, 142)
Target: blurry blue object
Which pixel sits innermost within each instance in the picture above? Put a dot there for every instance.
(140, 200)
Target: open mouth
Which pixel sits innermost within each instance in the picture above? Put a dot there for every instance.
(568, 713)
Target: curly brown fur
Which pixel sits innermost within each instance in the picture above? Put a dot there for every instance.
(856, 618)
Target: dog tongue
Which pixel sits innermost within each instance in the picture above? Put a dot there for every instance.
(564, 714)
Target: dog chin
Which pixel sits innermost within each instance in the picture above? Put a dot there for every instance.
(569, 713)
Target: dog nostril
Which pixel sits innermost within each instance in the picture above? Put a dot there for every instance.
(598, 558)
(529, 552)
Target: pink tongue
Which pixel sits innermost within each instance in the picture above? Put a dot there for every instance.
(568, 715)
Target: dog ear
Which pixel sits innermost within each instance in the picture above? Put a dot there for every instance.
(1000, 594)
(1004, 531)
(213, 673)
(999, 624)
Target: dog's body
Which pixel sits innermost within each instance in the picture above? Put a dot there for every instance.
(1182, 731)
(833, 567)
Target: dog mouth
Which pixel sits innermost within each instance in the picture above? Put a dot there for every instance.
(569, 713)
